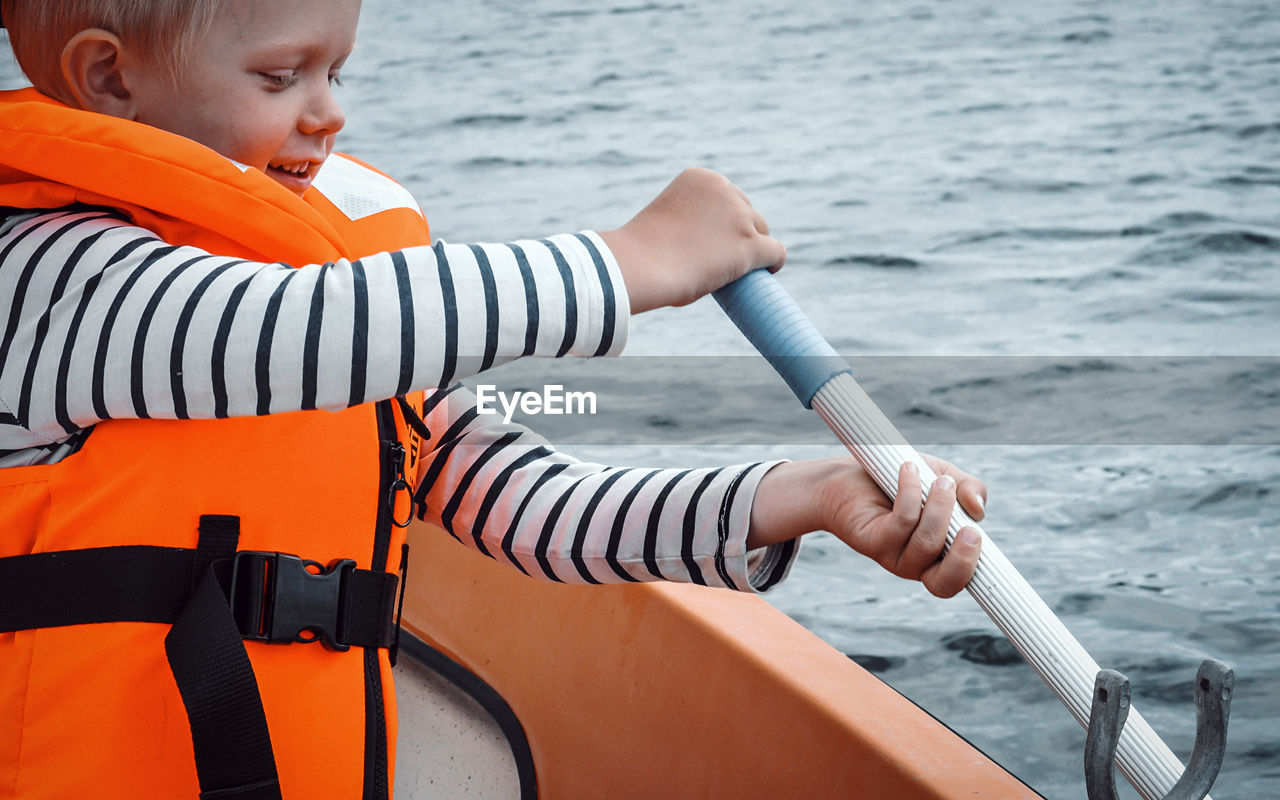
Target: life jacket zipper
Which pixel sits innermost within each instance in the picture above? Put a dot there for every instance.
(391, 461)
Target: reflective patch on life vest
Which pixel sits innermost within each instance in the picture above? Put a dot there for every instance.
(358, 191)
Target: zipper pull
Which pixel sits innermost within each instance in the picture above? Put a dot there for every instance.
(397, 459)
(397, 455)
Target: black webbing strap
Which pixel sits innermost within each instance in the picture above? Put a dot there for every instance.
(219, 536)
(211, 667)
(103, 584)
(143, 583)
(368, 617)
(394, 653)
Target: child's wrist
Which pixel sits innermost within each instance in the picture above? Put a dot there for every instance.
(621, 243)
(788, 502)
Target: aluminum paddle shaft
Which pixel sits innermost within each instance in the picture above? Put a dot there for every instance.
(770, 319)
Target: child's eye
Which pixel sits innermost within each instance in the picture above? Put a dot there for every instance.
(335, 79)
(282, 80)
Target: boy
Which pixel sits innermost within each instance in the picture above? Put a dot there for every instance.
(180, 412)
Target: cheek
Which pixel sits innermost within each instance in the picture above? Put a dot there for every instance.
(264, 131)
(249, 140)
(240, 126)
(219, 132)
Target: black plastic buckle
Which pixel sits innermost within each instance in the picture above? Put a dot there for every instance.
(275, 597)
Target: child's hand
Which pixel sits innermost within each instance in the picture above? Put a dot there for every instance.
(699, 234)
(837, 495)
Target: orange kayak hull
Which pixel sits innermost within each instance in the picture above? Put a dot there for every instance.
(666, 690)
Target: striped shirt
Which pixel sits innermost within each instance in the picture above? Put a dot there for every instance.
(102, 320)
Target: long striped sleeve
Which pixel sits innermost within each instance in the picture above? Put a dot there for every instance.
(501, 489)
(100, 320)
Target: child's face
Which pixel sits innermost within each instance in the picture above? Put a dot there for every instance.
(257, 87)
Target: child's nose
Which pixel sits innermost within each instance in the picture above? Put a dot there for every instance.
(323, 115)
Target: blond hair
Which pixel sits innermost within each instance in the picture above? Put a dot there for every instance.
(158, 30)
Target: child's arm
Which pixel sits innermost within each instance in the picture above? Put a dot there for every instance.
(100, 319)
(107, 321)
(501, 489)
(837, 495)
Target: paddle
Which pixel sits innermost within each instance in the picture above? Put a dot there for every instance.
(823, 381)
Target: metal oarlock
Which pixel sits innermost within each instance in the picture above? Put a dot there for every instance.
(1214, 682)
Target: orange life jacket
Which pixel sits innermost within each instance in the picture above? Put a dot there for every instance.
(93, 710)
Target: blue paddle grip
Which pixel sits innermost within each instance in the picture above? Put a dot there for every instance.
(772, 321)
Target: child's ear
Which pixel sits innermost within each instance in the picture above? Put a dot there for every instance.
(92, 68)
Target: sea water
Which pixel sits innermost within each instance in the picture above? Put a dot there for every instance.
(1047, 235)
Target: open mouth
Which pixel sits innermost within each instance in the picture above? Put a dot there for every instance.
(295, 175)
(298, 169)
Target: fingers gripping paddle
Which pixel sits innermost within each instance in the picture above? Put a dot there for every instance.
(770, 319)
